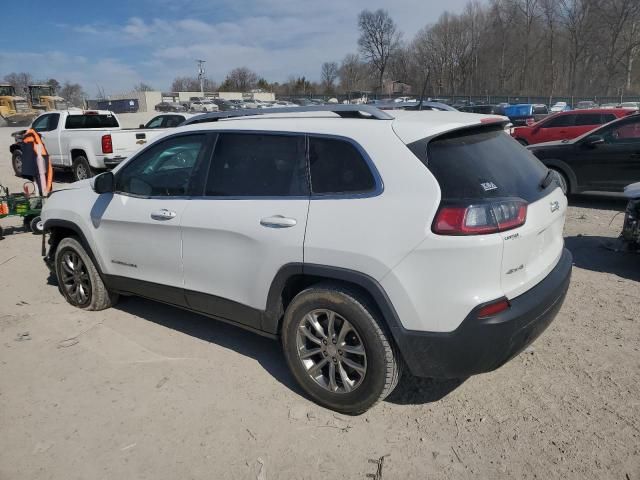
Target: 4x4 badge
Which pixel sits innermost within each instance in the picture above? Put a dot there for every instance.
(554, 206)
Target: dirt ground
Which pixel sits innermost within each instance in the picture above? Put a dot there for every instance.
(147, 391)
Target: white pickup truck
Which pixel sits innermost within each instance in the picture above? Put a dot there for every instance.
(84, 141)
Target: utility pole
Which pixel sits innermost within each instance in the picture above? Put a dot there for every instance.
(201, 75)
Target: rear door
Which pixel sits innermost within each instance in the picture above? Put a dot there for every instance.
(486, 168)
(613, 165)
(250, 222)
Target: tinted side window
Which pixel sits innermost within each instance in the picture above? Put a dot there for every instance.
(155, 123)
(338, 167)
(171, 121)
(588, 119)
(46, 123)
(163, 170)
(540, 110)
(626, 132)
(561, 121)
(258, 165)
(607, 117)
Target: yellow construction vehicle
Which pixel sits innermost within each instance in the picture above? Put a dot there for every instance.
(43, 98)
(14, 110)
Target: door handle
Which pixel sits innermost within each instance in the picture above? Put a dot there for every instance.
(278, 221)
(163, 214)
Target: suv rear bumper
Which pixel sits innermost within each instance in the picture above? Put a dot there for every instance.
(482, 345)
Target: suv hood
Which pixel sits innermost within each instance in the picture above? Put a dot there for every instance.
(81, 184)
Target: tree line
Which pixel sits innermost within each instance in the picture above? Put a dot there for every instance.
(72, 92)
(498, 47)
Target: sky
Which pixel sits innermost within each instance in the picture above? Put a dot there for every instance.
(115, 44)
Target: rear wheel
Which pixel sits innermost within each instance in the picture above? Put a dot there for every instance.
(78, 278)
(337, 349)
(16, 162)
(81, 168)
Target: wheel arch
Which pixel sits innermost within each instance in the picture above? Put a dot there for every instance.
(59, 229)
(566, 170)
(291, 279)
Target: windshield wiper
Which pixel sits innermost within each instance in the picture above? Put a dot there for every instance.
(550, 177)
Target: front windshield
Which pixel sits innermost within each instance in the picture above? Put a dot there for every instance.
(6, 91)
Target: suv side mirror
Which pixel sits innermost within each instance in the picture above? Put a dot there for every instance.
(593, 140)
(141, 125)
(104, 183)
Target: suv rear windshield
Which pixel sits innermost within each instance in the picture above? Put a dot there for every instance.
(91, 121)
(482, 163)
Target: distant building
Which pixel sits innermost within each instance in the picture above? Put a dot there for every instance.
(394, 87)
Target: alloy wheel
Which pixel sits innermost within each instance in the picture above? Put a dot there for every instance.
(331, 351)
(75, 278)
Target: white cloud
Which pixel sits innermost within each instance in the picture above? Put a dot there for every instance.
(276, 38)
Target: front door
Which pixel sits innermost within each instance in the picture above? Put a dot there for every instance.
(614, 164)
(46, 125)
(138, 226)
(250, 222)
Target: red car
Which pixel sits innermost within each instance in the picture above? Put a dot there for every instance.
(567, 125)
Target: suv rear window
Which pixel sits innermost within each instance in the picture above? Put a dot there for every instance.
(91, 121)
(482, 163)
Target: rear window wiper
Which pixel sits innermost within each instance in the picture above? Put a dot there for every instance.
(547, 179)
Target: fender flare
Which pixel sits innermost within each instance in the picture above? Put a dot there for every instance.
(566, 170)
(66, 224)
(274, 310)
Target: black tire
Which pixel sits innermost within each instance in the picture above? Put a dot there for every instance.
(522, 142)
(16, 163)
(36, 225)
(97, 295)
(382, 360)
(81, 168)
(562, 180)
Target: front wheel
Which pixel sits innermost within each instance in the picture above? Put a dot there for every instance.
(338, 350)
(81, 168)
(16, 163)
(78, 278)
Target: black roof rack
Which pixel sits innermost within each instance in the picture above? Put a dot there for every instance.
(345, 111)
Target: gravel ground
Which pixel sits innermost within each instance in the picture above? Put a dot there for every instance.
(150, 392)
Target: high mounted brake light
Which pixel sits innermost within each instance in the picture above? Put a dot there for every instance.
(481, 218)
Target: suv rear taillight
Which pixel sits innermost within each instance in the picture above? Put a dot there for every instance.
(107, 145)
(480, 219)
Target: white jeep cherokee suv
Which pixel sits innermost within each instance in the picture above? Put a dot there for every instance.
(365, 242)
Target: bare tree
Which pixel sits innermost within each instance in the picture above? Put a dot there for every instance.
(379, 39)
(328, 76)
(73, 93)
(192, 84)
(20, 81)
(142, 87)
(352, 73)
(240, 79)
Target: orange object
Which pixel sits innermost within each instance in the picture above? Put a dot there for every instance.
(4, 208)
